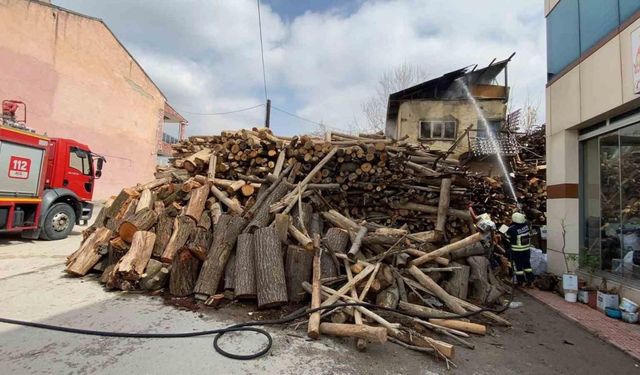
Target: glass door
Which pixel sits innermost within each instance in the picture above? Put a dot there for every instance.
(610, 203)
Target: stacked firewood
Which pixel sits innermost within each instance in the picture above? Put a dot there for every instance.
(251, 216)
(492, 195)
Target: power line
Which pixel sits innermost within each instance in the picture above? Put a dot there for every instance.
(304, 119)
(222, 113)
(264, 73)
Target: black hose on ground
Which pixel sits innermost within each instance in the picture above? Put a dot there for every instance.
(241, 327)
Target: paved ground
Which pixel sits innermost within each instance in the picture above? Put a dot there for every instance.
(33, 287)
(622, 335)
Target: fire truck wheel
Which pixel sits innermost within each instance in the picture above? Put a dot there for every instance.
(59, 222)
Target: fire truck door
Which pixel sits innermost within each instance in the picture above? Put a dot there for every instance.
(78, 175)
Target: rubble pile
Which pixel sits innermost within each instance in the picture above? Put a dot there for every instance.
(490, 195)
(250, 216)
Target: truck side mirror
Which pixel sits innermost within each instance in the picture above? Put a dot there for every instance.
(99, 164)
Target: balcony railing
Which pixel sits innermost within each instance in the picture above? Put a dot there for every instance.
(506, 143)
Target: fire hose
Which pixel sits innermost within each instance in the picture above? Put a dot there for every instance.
(241, 327)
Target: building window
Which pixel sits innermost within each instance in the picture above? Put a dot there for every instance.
(597, 19)
(575, 26)
(438, 129)
(563, 37)
(610, 203)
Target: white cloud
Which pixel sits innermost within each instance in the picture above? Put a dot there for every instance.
(320, 65)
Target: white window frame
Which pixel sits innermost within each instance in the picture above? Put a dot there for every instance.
(439, 133)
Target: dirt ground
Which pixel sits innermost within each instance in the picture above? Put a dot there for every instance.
(34, 287)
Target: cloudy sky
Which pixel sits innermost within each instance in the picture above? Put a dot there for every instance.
(323, 57)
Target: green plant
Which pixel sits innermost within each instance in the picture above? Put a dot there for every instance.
(589, 261)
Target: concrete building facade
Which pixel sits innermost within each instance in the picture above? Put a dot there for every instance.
(80, 82)
(593, 140)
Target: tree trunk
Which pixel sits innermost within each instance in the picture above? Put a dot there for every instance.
(164, 228)
(336, 241)
(117, 249)
(460, 325)
(225, 235)
(389, 297)
(281, 223)
(182, 228)
(377, 335)
(300, 237)
(231, 204)
(481, 287)
(423, 311)
(158, 280)
(458, 283)
(229, 273)
(146, 200)
(141, 221)
(262, 216)
(271, 284)
(100, 221)
(477, 237)
(357, 242)
(465, 252)
(154, 183)
(302, 220)
(200, 242)
(205, 221)
(184, 273)
(431, 285)
(443, 205)
(245, 273)
(81, 261)
(196, 202)
(133, 263)
(120, 204)
(298, 268)
(313, 327)
(216, 212)
(126, 213)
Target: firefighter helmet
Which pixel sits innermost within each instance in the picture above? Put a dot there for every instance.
(518, 218)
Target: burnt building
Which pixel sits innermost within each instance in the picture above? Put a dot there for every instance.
(452, 113)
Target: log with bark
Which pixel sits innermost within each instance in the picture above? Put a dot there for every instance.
(298, 269)
(83, 259)
(225, 236)
(271, 287)
(245, 270)
(184, 273)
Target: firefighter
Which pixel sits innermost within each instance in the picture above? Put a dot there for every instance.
(519, 243)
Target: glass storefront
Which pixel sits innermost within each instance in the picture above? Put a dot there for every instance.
(610, 202)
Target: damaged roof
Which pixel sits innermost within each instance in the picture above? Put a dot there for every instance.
(439, 88)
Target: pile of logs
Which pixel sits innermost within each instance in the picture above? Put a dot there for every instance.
(251, 216)
(529, 167)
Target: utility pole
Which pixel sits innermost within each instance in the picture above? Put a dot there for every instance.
(267, 119)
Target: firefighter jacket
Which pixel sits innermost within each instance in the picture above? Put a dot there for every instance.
(519, 237)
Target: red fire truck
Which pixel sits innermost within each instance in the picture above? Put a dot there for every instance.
(46, 184)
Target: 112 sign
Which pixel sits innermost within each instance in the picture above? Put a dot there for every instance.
(19, 167)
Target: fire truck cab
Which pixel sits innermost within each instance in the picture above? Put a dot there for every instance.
(46, 184)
